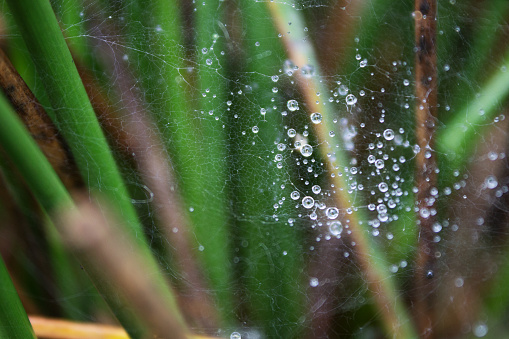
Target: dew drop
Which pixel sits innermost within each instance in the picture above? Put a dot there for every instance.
(255, 129)
(306, 150)
(274, 78)
(313, 282)
(291, 133)
(235, 335)
(308, 71)
(292, 105)
(295, 195)
(316, 189)
(491, 182)
(336, 228)
(383, 187)
(332, 212)
(351, 99)
(308, 202)
(316, 118)
(343, 90)
(389, 134)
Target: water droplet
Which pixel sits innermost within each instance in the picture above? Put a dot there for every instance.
(491, 182)
(389, 134)
(308, 202)
(235, 335)
(383, 187)
(480, 330)
(343, 90)
(316, 118)
(313, 282)
(436, 227)
(204, 50)
(292, 105)
(306, 150)
(291, 133)
(295, 195)
(335, 228)
(263, 111)
(316, 189)
(363, 63)
(332, 212)
(379, 163)
(289, 67)
(429, 274)
(351, 99)
(275, 78)
(308, 71)
(208, 62)
(406, 82)
(255, 129)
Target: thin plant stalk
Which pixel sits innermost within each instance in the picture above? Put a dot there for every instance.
(194, 144)
(13, 318)
(52, 195)
(76, 118)
(426, 162)
(394, 317)
(271, 263)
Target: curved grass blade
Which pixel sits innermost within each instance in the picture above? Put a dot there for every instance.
(75, 117)
(52, 195)
(13, 319)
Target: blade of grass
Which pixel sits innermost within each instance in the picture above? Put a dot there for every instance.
(13, 318)
(455, 142)
(208, 191)
(271, 263)
(195, 145)
(38, 123)
(51, 194)
(394, 317)
(75, 118)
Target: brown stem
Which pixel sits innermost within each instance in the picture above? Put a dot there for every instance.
(135, 136)
(426, 163)
(38, 124)
(380, 285)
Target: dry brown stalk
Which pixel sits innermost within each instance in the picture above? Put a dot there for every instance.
(39, 124)
(300, 52)
(426, 163)
(135, 136)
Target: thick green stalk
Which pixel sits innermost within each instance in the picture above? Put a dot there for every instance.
(206, 191)
(194, 138)
(51, 194)
(74, 114)
(272, 261)
(13, 318)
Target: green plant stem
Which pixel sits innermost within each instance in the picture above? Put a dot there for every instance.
(74, 115)
(271, 263)
(395, 319)
(455, 142)
(13, 318)
(51, 194)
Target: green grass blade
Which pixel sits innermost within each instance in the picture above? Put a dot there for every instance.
(193, 138)
(272, 263)
(75, 116)
(455, 142)
(13, 318)
(52, 195)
